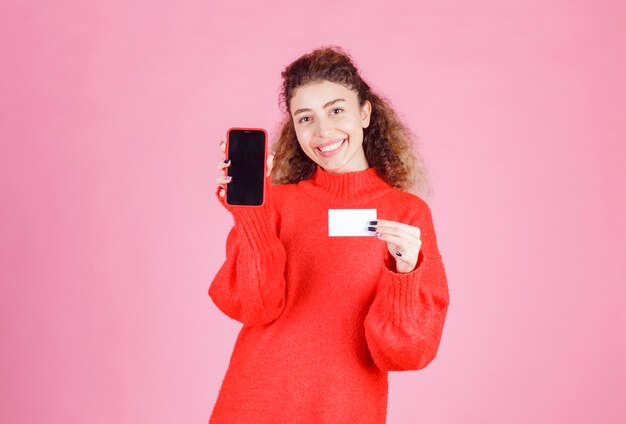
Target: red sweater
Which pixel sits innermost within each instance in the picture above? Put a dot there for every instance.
(325, 318)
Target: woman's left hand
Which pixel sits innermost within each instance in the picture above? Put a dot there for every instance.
(401, 238)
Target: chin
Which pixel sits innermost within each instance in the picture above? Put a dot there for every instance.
(335, 168)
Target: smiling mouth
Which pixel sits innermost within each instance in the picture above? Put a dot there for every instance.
(332, 147)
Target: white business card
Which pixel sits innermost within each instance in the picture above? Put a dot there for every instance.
(350, 222)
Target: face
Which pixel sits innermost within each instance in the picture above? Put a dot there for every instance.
(329, 125)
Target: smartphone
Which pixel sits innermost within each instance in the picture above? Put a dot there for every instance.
(247, 150)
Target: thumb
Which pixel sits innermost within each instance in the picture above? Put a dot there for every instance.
(270, 163)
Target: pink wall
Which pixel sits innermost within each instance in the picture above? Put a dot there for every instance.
(110, 117)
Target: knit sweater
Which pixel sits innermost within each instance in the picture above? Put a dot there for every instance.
(324, 318)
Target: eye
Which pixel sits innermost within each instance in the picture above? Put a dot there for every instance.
(300, 121)
(337, 108)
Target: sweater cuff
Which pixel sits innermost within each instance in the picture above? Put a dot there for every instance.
(401, 289)
(254, 222)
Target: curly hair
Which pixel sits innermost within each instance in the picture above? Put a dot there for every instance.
(387, 142)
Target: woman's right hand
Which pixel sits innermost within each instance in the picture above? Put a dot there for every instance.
(223, 179)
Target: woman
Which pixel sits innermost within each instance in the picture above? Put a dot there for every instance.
(325, 318)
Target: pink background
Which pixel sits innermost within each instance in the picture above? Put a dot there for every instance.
(110, 118)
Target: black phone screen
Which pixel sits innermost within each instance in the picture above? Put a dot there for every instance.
(246, 151)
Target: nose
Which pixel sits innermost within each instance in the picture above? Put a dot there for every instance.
(325, 127)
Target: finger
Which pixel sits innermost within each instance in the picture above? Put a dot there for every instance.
(223, 179)
(222, 192)
(397, 227)
(389, 223)
(404, 242)
(410, 248)
(270, 163)
(270, 160)
(407, 258)
(411, 234)
(395, 224)
(223, 164)
(223, 146)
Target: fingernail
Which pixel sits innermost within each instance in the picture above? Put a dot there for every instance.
(374, 222)
(379, 235)
(227, 161)
(371, 228)
(228, 178)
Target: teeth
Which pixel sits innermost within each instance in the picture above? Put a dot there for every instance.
(331, 147)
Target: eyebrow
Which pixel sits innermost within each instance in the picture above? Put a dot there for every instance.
(324, 107)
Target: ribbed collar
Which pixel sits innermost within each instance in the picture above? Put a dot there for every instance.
(349, 185)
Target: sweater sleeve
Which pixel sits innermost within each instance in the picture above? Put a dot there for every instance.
(404, 324)
(250, 285)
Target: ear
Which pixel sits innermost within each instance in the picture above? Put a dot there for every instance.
(366, 113)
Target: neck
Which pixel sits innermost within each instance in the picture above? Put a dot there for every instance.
(347, 185)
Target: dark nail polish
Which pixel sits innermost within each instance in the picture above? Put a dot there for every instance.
(398, 254)
(227, 160)
(371, 228)
(374, 222)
